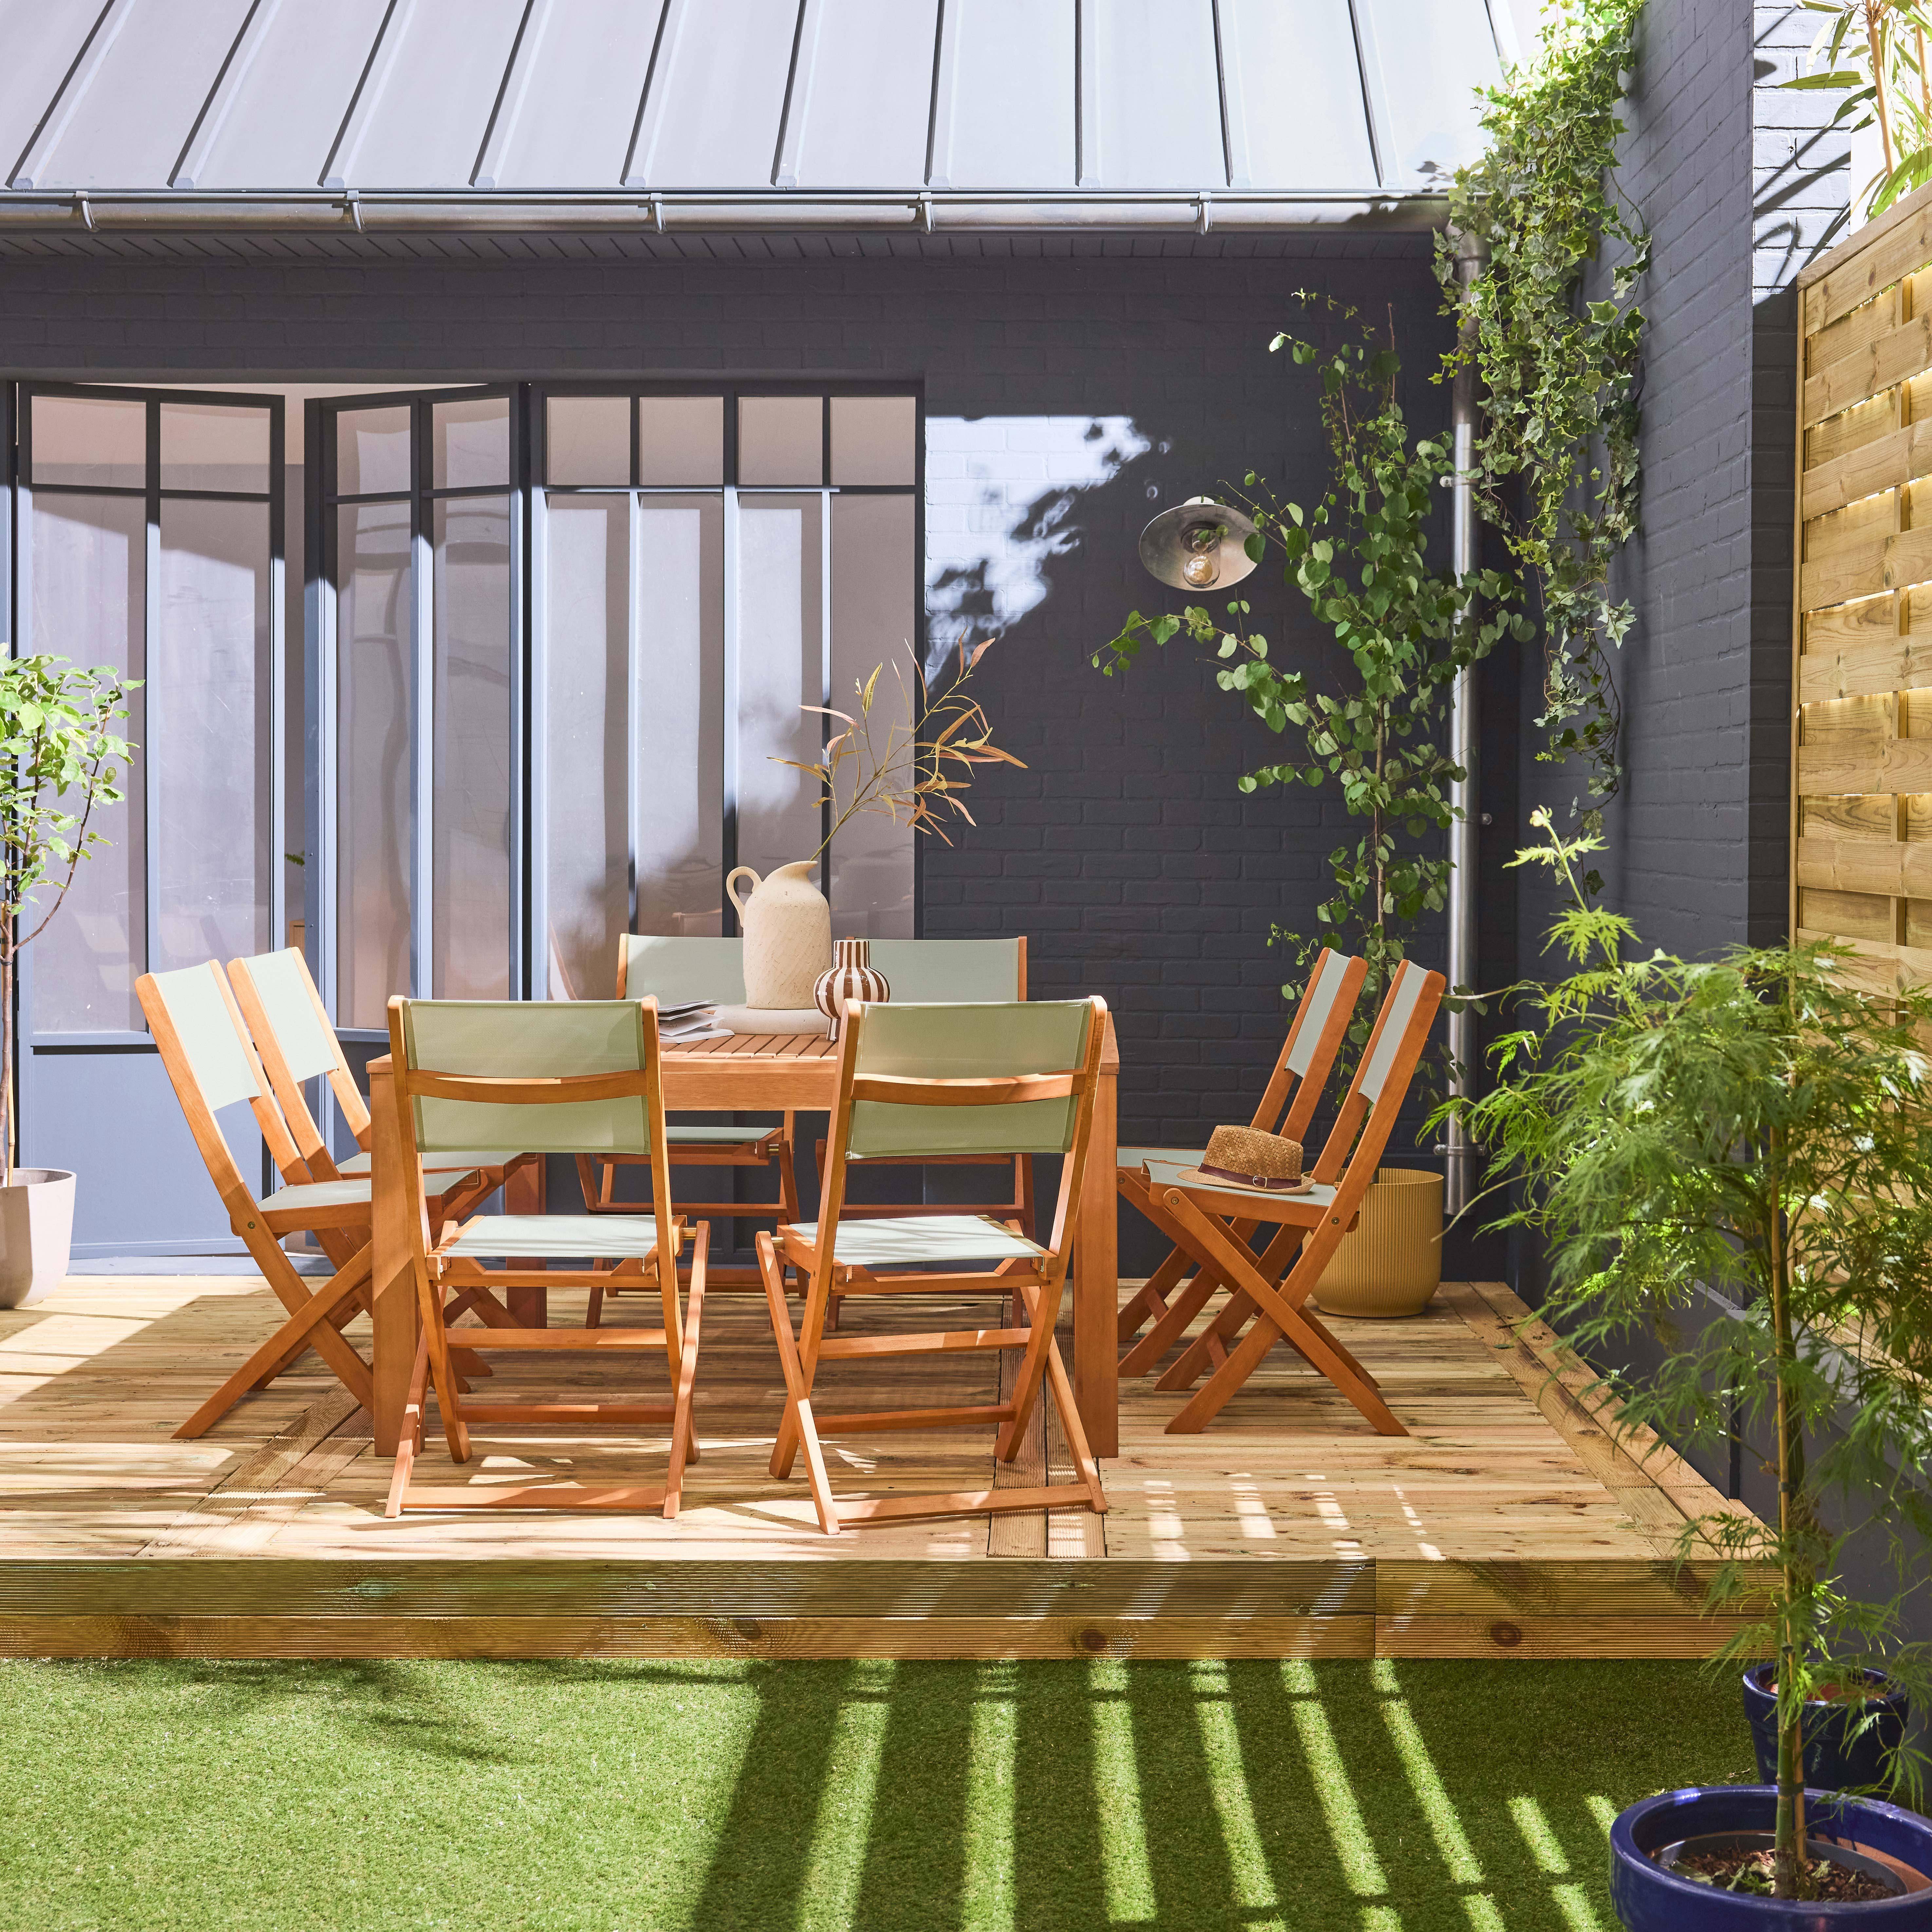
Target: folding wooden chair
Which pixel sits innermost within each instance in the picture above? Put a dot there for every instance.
(934, 972)
(280, 1000)
(581, 1078)
(1314, 1036)
(923, 1081)
(672, 971)
(1267, 1293)
(206, 1048)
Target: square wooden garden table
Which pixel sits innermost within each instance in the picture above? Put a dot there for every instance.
(761, 1073)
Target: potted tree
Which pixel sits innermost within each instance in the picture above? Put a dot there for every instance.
(1406, 630)
(63, 758)
(1737, 1156)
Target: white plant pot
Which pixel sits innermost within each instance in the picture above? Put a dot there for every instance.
(1392, 1263)
(787, 928)
(36, 1234)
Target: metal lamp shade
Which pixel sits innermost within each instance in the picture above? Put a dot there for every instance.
(1201, 534)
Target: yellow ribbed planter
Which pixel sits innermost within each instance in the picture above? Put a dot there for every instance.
(1392, 1263)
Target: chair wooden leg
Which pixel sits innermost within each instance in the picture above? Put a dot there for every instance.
(1061, 1388)
(1171, 1324)
(435, 1340)
(683, 1430)
(1042, 1308)
(798, 1418)
(411, 1438)
(1151, 1297)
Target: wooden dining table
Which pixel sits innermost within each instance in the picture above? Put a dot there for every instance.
(753, 1073)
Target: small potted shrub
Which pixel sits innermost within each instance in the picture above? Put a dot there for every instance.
(62, 758)
(1737, 1155)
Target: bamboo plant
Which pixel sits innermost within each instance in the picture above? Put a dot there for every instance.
(1737, 1155)
(62, 758)
(1874, 52)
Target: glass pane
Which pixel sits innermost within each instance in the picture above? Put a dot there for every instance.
(90, 439)
(587, 439)
(205, 447)
(680, 736)
(587, 840)
(375, 821)
(469, 443)
(372, 452)
(681, 440)
(208, 713)
(86, 558)
(874, 438)
(469, 916)
(781, 667)
(781, 440)
(873, 620)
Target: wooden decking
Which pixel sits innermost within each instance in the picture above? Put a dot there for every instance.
(1509, 1522)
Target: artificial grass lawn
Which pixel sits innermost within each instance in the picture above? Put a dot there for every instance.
(641, 1797)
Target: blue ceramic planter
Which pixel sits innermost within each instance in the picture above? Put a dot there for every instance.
(1649, 1899)
(1831, 1763)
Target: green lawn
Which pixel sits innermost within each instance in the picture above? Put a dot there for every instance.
(616, 1796)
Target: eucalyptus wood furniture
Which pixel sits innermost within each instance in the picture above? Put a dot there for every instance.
(279, 1000)
(673, 969)
(1314, 1036)
(580, 1077)
(770, 1074)
(212, 1064)
(1268, 1292)
(920, 1082)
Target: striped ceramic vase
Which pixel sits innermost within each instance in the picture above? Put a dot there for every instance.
(852, 977)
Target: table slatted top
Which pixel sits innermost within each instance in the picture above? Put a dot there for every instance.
(755, 1045)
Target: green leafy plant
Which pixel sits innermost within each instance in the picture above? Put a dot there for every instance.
(1360, 557)
(1873, 52)
(61, 758)
(1755, 1130)
(909, 762)
(1556, 469)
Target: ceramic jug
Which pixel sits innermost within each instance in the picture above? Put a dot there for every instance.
(787, 928)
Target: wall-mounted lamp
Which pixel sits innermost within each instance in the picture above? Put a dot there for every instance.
(1198, 545)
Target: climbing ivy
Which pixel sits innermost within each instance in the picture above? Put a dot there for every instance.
(1556, 450)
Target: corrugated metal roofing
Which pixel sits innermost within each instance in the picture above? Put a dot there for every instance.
(775, 110)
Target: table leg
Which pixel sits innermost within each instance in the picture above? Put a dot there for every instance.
(1097, 1283)
(526, 1191)
(392, 1283)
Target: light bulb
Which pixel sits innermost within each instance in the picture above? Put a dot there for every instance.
(1203, 568)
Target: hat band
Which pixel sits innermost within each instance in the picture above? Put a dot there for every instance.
(1276, 1185)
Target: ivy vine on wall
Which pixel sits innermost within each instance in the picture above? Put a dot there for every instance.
(1556, 447)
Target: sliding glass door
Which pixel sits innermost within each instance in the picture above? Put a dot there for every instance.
(151, 539)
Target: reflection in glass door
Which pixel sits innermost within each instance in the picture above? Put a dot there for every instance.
(151, 539)
(419, 533)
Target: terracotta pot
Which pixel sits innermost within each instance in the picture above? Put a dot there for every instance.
(852, 977)
(36, 1234)
(787, 928)
(1392, 1263)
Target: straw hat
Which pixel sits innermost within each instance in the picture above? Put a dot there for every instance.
(1245, 1157)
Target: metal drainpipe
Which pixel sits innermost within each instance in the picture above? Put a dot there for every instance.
(1465, 833)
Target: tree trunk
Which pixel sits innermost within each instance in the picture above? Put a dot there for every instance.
(1788, 1878)
(7, 1136)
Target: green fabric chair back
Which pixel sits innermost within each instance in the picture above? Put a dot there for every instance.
(962, 1043)
(194, 997)
(517, 1040)
(281, 984)
(932, 970)
(1409, 981)
(677, 970)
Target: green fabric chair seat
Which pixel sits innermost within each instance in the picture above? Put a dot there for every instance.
(539, 1237)
(1166, 1173)
(463, 1161)
(695, 1136)
(318, 1194)
(915, 1239)
(1139, 1156)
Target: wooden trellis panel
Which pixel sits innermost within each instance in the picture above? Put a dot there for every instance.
(1861, 676)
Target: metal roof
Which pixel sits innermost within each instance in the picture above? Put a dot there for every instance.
(783, 115)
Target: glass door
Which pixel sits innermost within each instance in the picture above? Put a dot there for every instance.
(416, 630)
(151, 538)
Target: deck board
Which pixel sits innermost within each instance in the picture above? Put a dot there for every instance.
(1515, 1519)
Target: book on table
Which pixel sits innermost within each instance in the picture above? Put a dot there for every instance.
(689, 1020)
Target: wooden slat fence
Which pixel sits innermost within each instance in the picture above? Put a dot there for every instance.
(1861, 725)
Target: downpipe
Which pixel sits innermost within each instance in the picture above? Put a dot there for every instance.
(1465, 719)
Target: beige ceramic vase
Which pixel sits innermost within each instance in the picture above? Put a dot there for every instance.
(1391, 1265)
(787, 928)
(853, 977)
